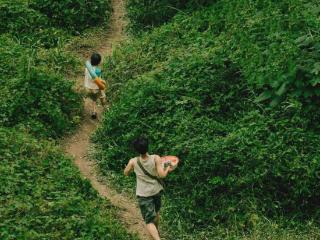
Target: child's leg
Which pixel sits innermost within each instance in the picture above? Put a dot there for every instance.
(103, 98)
(94, 106)
(93, 96)
(153, 231)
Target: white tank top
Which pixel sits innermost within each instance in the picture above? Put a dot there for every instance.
(88, 81)
(146, 186)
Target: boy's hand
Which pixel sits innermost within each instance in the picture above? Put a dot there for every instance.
(170, 169)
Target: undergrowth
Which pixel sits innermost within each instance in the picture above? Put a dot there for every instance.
(42, 195)
(232, 90)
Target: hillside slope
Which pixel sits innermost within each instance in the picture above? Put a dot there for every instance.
(232, 90)
(42, 194)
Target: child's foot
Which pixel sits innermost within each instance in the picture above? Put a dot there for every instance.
(94, 115)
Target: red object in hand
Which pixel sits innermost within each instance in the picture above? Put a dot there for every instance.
(169, 161)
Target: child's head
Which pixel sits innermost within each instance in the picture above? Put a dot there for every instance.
(141, 145)
(95, 59)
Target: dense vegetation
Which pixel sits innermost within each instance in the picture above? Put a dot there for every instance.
(47, 21)
(42, 195)
(34, 90)
(233, 90)
(146, 14)
(74, 14)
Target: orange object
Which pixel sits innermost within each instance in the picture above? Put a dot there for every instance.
(101, 85)
(171, 161)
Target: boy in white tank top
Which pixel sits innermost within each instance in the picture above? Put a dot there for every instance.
(148, 171)
(91, 87)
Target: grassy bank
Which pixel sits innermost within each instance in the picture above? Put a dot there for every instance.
(232, 90)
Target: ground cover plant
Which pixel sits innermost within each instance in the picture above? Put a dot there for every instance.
(35, 93)
(42, 195)
(29, 26)
(146, 14)
(74, 14)
(232, 90)
(34, 63)
(47, 23)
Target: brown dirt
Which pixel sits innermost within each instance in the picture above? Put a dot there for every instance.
(79, 144)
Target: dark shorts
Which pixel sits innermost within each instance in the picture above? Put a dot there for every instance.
(94, 95)
(149, 207)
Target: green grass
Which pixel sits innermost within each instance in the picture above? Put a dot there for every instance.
(43, 196)
(231, 92)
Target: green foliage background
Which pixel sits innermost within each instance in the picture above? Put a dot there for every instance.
(74, 14)
(34, 92)
(42, 195)
(232, 90)
(146, 14)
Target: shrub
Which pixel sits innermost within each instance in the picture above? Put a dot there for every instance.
(29, 26)
(237, 160)
(17, 17)
(269, 41)
(11, 58)
(32, 94)
(192, 86)
(191, 99)
(42, 101)
(146, 14)
(43, 196)
(74, 15)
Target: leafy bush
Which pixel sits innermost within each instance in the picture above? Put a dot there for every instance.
(274, 44)
(199, 109)
(17, 17)
(43, 196)
(145, 14)
(270, 41)
(202, 95)
(192, 86)
(28, 25)
(42, 101)
(74, 15)
(32, 94)
(11, 58)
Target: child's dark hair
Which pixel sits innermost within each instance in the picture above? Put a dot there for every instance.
(95, 59)
(141, 145)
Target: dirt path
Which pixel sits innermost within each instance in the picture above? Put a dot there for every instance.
(78, 145)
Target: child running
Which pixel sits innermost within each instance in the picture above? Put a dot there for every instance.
(93, 91)
(149, 187)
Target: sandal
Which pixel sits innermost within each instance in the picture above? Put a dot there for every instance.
(94, 115)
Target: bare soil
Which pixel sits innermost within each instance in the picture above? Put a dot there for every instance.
(78, 145)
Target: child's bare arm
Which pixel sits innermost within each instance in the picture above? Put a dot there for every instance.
(161, 172)
(129, 168)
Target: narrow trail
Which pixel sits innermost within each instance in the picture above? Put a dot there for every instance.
(79, 144)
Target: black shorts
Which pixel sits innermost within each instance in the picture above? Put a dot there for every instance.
(149, 207)
(94, 95)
